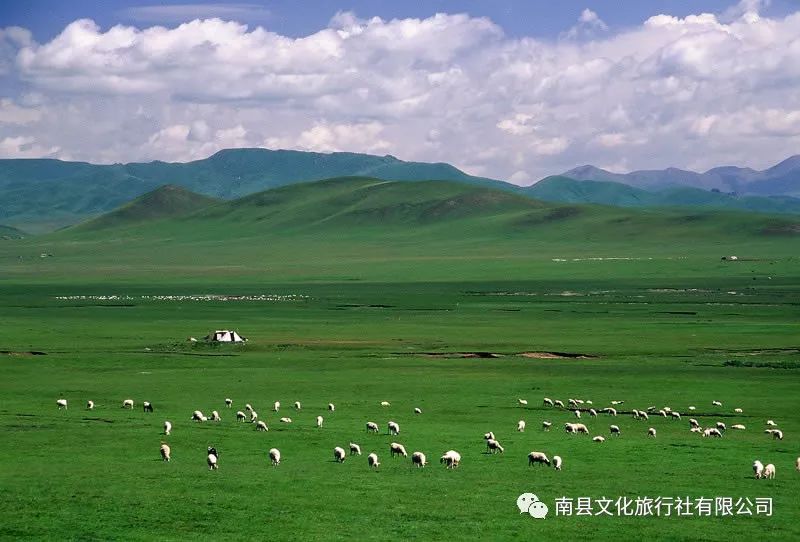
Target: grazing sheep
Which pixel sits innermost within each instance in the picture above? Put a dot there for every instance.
(451, 459)
(592, 413)
(663, 412)
(397, 449)
(275, 456)
(769, 472)
(771, 423)
(693, 423)
(261, 426)
(598, 438)
(651, 432)
(758, 469)
(616, 403)
(712, 432)
(372, 461)
(418, 459)
(610, 410)
(228, 402)
(547, 402)
(339, 455)
(240, 416)
(716, 403)
(546, 425)
(738, 426)
(675, 415)
(571, 427)
(522, 402)
(248, 407)
(165, 451)
(61, 403)
(578, 414)
(167, 428)
(277, 406)
(331, 407)
(697, 429)
(417, 410)
(559, 403)
(372, 427)
(285, 420)
(644, 416)
(319, 421)
(738, 410)
(494, 446)
(127, 403)
(614, 429)
(538, 457)
(147, 406)
(572, 403)
(777, 434)
(297, 405)
(89, 405)
(386, 403)
(212, 462)
(692, 407)
(253, 416)
(557, 462)
(487, 436)
(797, 464)
(667, 409)
(394, 428)
(635, 414)
(355, 449)
(197, 416)
(721, 426)
(521, 426)
(215, 416)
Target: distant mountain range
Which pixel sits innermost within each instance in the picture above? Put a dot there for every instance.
(40, 195)
(782, 179)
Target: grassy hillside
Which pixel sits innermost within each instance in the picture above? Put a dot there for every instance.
(8, 232)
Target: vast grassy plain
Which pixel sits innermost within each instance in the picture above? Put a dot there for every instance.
(388, 313)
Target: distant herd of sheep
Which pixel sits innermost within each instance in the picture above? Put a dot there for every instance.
(451, 459)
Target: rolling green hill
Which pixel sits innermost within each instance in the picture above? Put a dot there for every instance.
(8, 232)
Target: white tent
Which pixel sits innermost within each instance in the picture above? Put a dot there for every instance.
(225, 336)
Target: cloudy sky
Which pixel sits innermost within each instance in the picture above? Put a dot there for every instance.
(510, 89)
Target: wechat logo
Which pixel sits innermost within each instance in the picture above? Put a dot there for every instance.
(530, 503)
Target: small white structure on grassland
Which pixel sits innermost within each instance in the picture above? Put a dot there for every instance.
(225, 336)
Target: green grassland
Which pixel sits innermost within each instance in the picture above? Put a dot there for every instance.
(389, 278)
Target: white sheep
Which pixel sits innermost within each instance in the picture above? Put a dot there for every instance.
(777, 434)
(635, 414)
(610, 410)
(417, 410)
(697, 429)
(197, 416)
(261, 426)
(576, 428)
(339, 455)
(738, 410)
(89, 405)
(758, 469)
(614, 429)
(165, 451)
(285, 420)
(386, 403)
(771, 423)
(248, 407)
(651, 432)
(546, 425)
(487, 436)
(451, 459)
(275, 456)
(61, 403)
(228, 402)
(127, 403)
(675, 415)
(319, 421)
(663, 412)
(277, 406)
(559, 403)
(644, 416)
(769, 472)
(355, 449)
(215, 416)
(522, 402)
(577, 414)
(538, 457)
(598, 438)
(147, 406)
(547, 402)
(494, 446)
(521, 426)
(738, 426)
(253, 416)
(721, 426)
(212, 462)
(372, 427)
(372, 461)
(167, 427)
(394, 428)
(692, 407)
(240, 416)
(557, 462)
(712, 432)
(693, 423)
(418, 459)
(716, 403)
(397, 449)
(331, 407)
(615, 403)
(592, 413)
(297, 405)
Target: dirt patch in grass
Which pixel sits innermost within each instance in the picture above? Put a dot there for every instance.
(28, 353)
(556, 355)
(492, 355)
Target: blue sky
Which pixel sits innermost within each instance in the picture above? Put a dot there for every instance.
(514, 90)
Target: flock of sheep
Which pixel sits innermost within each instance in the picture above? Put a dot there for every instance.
(451, 459)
